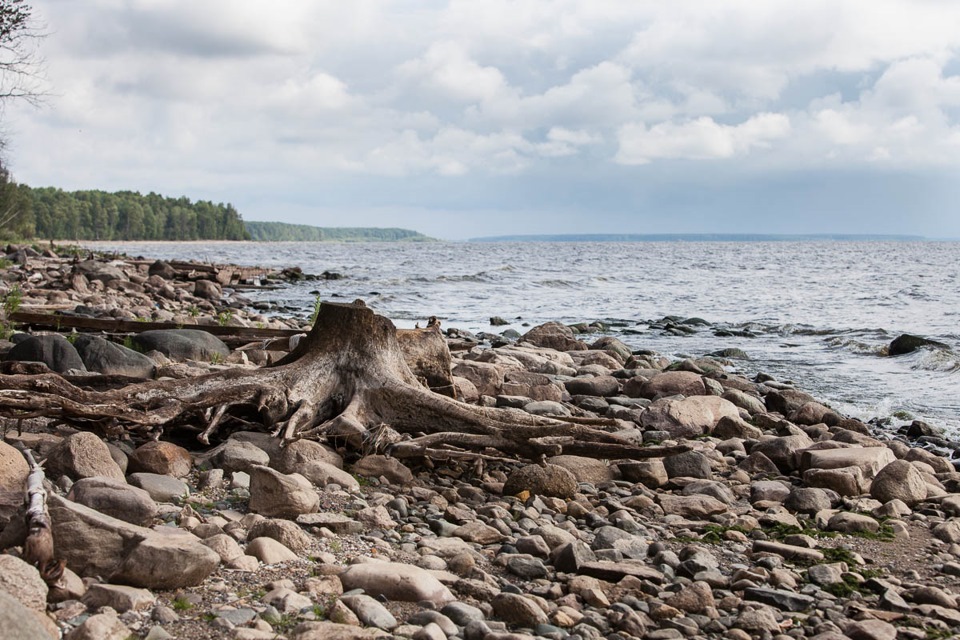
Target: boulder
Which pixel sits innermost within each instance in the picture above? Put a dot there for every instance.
(102, 626)
(17, 621)
(546, 480)
(783, 451)
(161, 457)
(690, 464)
(274, 494)
(908, 343)
(240, 455)
(846, 481)
(115, 498)
(396, 581)
(649, 473)
(899, 480)
(295, 455)
(162, 269)
(23, 582)
(269, 551)
(182, 344)
(287, 533)
(13, 477)
(486, 377)
(786, 401)
(376, 466)
(870, 460)
(602, 386)
(109, 358)
(82, 455)
(554, 335)
(687, 418)
(672, 383)
(160, 487)
(586, 469)
(94, 544)
(53, 350)
(693, 506)
(208, 290)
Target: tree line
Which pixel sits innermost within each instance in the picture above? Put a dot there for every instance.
(283, 231)
(52, 213)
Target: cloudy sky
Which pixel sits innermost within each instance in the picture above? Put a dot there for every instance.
(467, 118)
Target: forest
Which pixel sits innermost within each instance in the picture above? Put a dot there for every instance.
(51, 213)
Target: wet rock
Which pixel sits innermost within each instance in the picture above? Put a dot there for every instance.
(163, 458)
(546, 480)
(899, 480)
(908, 343)
(182, 344)
(396, 581)
(116, 499)
(53, 350)
(109, 358)
(274, 494)
(82, 455)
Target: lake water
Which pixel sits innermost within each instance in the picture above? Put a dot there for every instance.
(817, 313)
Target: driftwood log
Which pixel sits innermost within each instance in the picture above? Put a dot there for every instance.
(38, 547)
(347, 380)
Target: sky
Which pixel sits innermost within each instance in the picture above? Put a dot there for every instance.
(475, 118)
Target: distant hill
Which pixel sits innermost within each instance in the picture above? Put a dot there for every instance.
(284, 232)
(699, 237)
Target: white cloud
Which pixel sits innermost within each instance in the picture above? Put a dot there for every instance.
(162, 95)
(700, 139)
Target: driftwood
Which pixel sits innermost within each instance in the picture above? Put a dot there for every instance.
(347, 380)
(38, 547)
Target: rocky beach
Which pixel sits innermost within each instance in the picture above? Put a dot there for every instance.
(747, 508)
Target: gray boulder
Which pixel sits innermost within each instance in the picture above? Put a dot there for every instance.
(182, 344)
(109, 358)
(899, 480)
(396, 581)
(115, 498)
(94, 544)
(53, 350)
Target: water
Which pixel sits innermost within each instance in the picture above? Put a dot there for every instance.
(820, 313)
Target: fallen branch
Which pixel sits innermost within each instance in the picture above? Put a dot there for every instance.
(38, 547)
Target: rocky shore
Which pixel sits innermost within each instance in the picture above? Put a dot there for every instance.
(773, 517)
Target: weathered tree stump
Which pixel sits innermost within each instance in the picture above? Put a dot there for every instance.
(347, 379)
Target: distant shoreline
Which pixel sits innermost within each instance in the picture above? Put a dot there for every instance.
(705, 237)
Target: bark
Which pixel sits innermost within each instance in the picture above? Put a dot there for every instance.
(347, 380)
